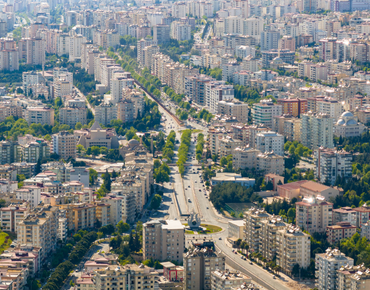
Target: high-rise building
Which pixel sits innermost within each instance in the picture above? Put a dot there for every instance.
(228, 280)
(163, 240)
(199, 263)
(294, 247)
(253, 217)
(64, 144)
(264, 112)
(314, 214)
(270, 40)
(72, 116)
(353, 277)
(105, 113)
(141, 44)
(161, 33)
(270, 141)
(317, 130)
(293, 107)
(125, 111)
(331, 163)
(327, 265)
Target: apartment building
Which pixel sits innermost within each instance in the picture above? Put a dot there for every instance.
(288, 126)
(128, 204)
(314, 214)
(228, 280)
(353, 277)
(329, 106)
(62, 87)
(270, 40)
(11, 215)
(345, 214)
(71, 116)
(236, 229)
(148, 52)
(9, 60)
(128, 276)
(227, 145)
(32, 50)
(163, 240)
(125, 111)
(326, 265)
(234, 108)
(40, 229)
(161, 33)
(268, 236)
(362, 215)
(84, 216)
(264, 112)
(252, 231)
(8, 172)
(270, 162)
(245, 157)
(141, 44)
(339, 231)
(102, 211)
(293, 107)
(64, 144)
(217, 94)
(39, 115)
(270, 142)
(195, 88)
(119, 81)
(331, 163)
(294, 247)
(317, 130)
(180, 31)
(199, 263)
(115, 203)
(105, 113)
(31, 193)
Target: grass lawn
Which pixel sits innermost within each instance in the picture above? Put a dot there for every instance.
(210, 229)
(5, 242)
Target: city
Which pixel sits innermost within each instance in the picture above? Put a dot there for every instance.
(195, 144)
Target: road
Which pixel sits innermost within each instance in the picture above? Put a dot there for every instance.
(82, 96)
(200, 202)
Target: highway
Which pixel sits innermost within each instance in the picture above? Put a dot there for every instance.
(201, 204)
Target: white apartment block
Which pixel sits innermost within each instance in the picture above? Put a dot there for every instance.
(75, 46)
(72, 116)
(11, 215)
(31, 194)
(331, 163)
(30, 79)
(268, 238)
(329, 106)
(264, 112)
(228, 280)
(365, 230)
(243, 51)
(353, 277)
(120, 80)
(62, 44)
(220, 93)
(62, 87)
(115, 203)
(245, 157)
(314, 214)
(164, 240)
(141, 44)
(180, 31)
(62, 73)
(317, 130)
(253, 217)
(270, 142)
(64, 144)
(327, 264)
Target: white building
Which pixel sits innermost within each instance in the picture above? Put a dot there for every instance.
(243, 51)
(327, 265)
(329, 106)
(270, 141)
(331, 163)
(317, 130)
(75, 46)
(236, 229)
(105, 113)
(30, 193)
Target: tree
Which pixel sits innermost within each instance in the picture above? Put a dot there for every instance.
(107, 180)
(93, 176)
(156, 201)
(95, 150)
(223, 161)
(123, 227)
(80, 149)
(78, 126)
(103, 150)
(291, 215)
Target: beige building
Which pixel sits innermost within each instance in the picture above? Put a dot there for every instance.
(72, 116)
(253, 218)
(269, 162)
(96, 136)
(228, 280)
(163, 240)
(64, 144)
(288, 126)
(105, 113)
(234, 108)
(236, 229)
(339, 231)
(130, 276)
(102, 211)
(227, 146)
(115, 208)
(40, 229)
(84, 216)
(294, 247)
(245, 157)
(314, 214)
(199, 263)
(39, 115)
(268, 236)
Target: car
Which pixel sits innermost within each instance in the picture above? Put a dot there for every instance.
(241, 257)
(171, 202)
(195, 181)
(200, 190)
(207, 207)
(274, 277)
(203, 185)
(220, 238)
(251, 263)
(189, 186)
